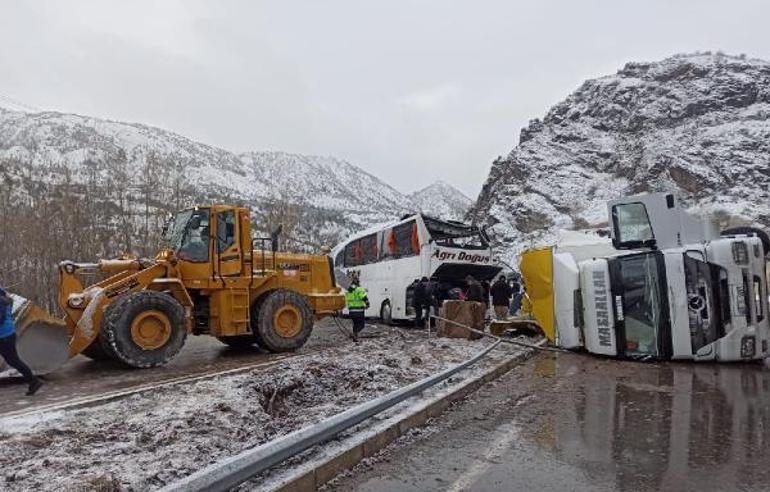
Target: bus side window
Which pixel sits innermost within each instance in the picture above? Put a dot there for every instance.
(405, 235)
(391, 246)
(369, 249)
(353, 253)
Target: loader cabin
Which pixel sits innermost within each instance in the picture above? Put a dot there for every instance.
(200, 234)
(228, 279)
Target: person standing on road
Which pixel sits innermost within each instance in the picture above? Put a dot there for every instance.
(420, 300)
(8, 344)
(516, 301)
(474, 292)
(431, 299)
(357, 302)
(501, 298)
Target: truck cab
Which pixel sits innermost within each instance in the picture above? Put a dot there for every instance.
(666, 286)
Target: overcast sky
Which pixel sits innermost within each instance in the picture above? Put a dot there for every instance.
(411, 91)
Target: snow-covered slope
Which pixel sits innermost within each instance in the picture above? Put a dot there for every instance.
(695, 124)
(325, 182)
(50, 149)
(442, 200)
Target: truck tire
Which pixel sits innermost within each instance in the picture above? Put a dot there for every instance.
(285, 321)
(144, 329)
(760, 233)
(239, 342)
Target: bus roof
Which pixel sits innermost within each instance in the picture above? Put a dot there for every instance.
(405, 218)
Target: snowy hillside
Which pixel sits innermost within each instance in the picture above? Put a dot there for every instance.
(324, 182)
(52, 149)
(695, 124)
(442, 200)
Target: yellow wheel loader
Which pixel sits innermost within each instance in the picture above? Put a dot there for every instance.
(211, 278)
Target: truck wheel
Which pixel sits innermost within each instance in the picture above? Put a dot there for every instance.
(386, 314)
(238, 342)
(285, 321)
(761, 234)
(144, 329)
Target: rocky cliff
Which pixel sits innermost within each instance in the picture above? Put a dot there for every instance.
(695, 124)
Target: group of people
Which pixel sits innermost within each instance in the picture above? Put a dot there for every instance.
(429, 294)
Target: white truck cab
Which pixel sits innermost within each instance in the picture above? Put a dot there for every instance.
(666, 287)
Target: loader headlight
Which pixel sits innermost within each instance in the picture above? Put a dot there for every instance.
(740, 253)
(76, 301)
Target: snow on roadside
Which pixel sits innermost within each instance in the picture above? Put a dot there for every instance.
(147, 440)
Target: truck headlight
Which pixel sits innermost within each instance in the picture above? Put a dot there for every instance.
(740, 253)
(748, 346)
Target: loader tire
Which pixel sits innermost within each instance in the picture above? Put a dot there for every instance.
(285, 321)
(144, 329)
(255, 307)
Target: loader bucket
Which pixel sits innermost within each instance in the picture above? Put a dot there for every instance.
(41, 340)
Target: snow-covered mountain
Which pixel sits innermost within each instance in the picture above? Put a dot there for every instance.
(696, 124)
(149, 171)
(150, 164)
(442, 200)
(70, 141)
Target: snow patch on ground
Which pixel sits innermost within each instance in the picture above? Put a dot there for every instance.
(147, 440)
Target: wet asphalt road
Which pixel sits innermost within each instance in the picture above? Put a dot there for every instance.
(563, 422)
(82, 377)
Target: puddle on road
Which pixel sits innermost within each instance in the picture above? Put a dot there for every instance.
(652, 426)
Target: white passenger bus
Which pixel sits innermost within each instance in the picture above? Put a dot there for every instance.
(388, 258)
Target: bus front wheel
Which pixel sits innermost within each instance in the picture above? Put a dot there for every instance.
(386, 313)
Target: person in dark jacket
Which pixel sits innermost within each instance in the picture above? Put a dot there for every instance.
(501, 297)
(419, 299)
(8, 344)
(474, 292)
(431, 301)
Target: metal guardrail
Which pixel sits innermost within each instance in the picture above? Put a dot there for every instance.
(237, 469)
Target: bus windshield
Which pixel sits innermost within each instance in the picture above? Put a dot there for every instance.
(640, 281)
(455, 234)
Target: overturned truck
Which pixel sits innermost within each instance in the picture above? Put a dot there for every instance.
(667, 286)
